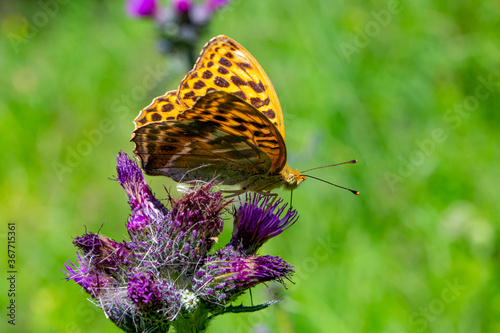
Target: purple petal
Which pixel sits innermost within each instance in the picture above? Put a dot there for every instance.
(141, 8)
(258, 220)
(232, 274)
(182, 6)
(145, 207)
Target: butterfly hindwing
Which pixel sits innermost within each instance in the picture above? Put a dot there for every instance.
(238, 118)
(202, 158)
(215, 138)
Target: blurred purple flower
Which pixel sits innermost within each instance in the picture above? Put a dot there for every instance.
(180, 22)
(258, 220)
(141, 8)
(165, 275)
(182, 6)
(213, 5)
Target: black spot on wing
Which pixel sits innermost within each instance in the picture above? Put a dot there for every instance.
(240, 94)
(167, 107)
(222, 70)
(269, 113)
(258, 88)
(238, 81)
(207, 74)
(225, 62)
(198, 85)
(220, 118)
(221, 82)
(189, 95)
(257, 102)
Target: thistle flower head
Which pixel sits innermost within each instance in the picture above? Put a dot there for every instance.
(146, 209)
(141, 8)
(228, 274)
(182, 6)
(144, 291)
(259, 219)
(166, 275)
(94, 271)
(81, 273)
(180, 22)
(195, 223)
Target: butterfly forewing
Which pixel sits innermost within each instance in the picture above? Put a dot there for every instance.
(226, 65)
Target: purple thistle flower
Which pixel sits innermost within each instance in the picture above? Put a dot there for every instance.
(190, 228)
(165, 275)
(180, 22)
(143, 291)
(204, 11)
(146, 209)
(87, 276)
(141, 8)
(182, 6)
(106, 252)
(199, 208)
(258, 220)
(79, 272)
(227, 274)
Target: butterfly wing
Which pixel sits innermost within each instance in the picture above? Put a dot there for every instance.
(225, 65)
(220, 137)
(162, 108)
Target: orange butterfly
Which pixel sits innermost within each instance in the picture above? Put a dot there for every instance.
(224, 122)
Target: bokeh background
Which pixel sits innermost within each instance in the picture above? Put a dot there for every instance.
(410, 89)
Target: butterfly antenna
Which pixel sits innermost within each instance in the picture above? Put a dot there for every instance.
(342, 187)
(331, 165)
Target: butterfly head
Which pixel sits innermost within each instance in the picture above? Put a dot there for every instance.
(292, 178)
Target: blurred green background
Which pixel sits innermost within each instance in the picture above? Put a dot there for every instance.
(412, 91)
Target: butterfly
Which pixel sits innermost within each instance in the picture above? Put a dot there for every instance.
(224, 122)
